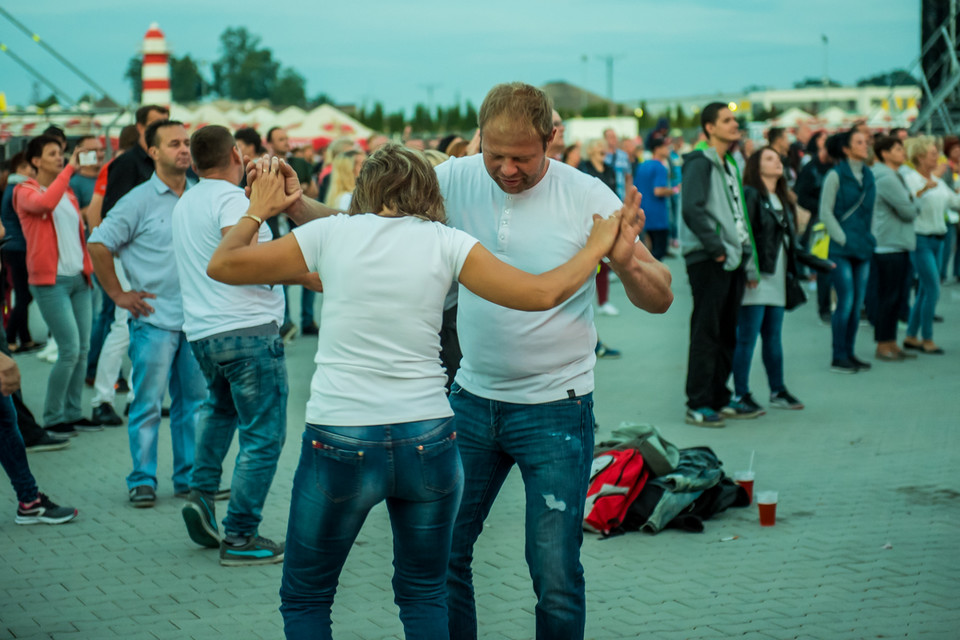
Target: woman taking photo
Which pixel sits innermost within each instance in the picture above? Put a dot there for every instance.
(58, 268)
(761, 312)
(846, 209)
(379, 425)
(935, 198)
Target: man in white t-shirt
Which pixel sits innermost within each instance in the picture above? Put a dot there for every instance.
(234, 333)
(524, 390)
(523, 394)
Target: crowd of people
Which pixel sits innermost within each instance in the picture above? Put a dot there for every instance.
(427, 253)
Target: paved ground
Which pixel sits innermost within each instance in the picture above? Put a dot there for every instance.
(865, 544)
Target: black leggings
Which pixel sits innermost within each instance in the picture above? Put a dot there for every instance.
(18, 327)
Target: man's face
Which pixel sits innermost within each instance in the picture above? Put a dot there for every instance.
(171, 150)
(93, 144)
(781, 144)
(725, 129)
(514, 157)
(558, 125)
(611, 137)
(280, 142)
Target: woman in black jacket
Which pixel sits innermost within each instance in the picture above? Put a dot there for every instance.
(772, 219)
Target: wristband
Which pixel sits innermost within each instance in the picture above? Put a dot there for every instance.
(259, 221)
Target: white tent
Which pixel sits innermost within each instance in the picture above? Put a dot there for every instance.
(327, 122)
(835, 116)
(792, 117)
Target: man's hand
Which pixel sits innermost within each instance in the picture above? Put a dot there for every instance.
(135, 302)
(9, 375)
(268, 195)
(631, 226)
(312, 281)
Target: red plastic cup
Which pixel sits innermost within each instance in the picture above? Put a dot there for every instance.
(745, 480)
(767, 504)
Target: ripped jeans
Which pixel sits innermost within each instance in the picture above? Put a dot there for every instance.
(552, 444)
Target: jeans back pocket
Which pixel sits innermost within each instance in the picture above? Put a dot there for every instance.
(440, 464)
(337, 471)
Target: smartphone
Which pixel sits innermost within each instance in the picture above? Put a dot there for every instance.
(87, 158)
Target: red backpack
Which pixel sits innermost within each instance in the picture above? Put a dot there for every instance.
(616, 479)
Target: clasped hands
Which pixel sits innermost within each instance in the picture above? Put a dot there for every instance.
(631, 222)
(272, 186)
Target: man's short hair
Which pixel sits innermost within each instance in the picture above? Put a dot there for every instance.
(55, 132)
(521, 102)
(83, 139)
(18, 160)
(775, 133)
(710, 114)
(884, 144)
(129, 137)
(270, 133)
(150, 135)
(145, 110)
(655, 141)
(210, 147)
(400, 179)
(249, 135)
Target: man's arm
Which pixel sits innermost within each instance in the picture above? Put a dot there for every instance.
(132, 301)
(303, 210)
(645, 280)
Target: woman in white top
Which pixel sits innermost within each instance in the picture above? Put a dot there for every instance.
(343, 178)
(931, 226)
(378, 422)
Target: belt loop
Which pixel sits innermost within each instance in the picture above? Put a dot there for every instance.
(571, 394)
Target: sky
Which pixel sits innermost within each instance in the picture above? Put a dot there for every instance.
(398, 52)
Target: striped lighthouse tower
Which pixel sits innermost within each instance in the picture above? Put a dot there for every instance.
(156, 68)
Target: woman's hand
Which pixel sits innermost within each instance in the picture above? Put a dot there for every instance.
(268, 195)
(74, 160)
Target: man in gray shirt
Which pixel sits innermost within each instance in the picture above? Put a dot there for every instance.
(139, 230)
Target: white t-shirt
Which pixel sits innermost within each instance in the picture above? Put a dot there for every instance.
(934, 203)
(66, 223)
(211, 307)
(514, 356)
(384, 283)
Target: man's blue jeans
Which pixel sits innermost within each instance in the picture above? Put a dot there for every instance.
(13, 455)
(161, 358)
(343, 473)
(247, 383)
(552, 443)
(767, 322)
(850, 282)
(928, 290)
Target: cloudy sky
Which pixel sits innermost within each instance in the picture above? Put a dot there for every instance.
(359, 52)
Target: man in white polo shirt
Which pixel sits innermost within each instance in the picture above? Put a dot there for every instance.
(523, 394)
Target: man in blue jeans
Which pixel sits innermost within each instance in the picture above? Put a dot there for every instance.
(528, 399)
(138, 230)
(234, 332)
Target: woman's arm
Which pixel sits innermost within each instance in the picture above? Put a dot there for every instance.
(28, 201)
(488, 277)
(238, 261)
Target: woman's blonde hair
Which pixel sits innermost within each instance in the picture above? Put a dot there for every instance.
(401, 180)
(342, 178)
(435, 157)
(917, 146)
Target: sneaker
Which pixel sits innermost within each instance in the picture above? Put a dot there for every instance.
(200, 517)
(603, 351)
(61, 429)
(743, 408)
(607, 309)
(222, 494)
(826, 318)
(288, 331)
(860, 364)
(48, 443)
(785, 400)
(105, 415)
(86, 425)
(255, 551)
(843, 366)
(121, 386)
(311, 329)
(704, 417)
(49, 352)
(143, 497)
(44, 511)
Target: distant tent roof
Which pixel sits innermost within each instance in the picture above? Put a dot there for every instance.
(792, 117)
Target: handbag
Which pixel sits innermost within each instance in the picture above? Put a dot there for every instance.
(796, 296)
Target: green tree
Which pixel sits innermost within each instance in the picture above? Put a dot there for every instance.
(596, 110)
(422, 120)
(186, 83)
(289, 89)
(134, 75)
(373, 118)
(396, 121)
(894, 78)
(48, 102)
(469, 120)
(244, 71)
(815, 82)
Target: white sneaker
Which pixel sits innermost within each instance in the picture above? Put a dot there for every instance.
(49, 353)
(607, 309)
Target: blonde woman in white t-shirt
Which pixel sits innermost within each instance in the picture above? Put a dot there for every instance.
(343, 178)
(378, 422)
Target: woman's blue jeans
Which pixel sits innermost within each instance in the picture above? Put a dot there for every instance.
(928, 292)
(65, 307)
(343, 473)
(13, 455)
(767, 322)
(850, 282)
